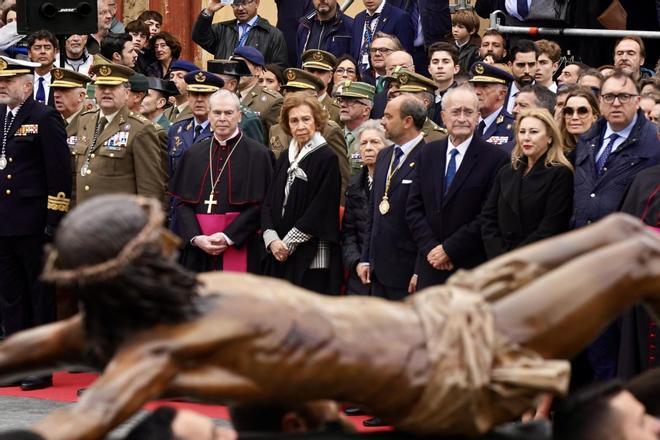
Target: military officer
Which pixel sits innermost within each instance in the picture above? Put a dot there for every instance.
(153, 104)
(69, 91)
(180, 110)
(491, 82)
(356, 101)
(118, 151)
(301, 81)
(35, 188)
(423, 88)
(264, 102)
(231, 71)
(322, 64)
(200, 86)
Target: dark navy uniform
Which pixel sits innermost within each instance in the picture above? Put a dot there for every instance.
(500, 132)
(181, 136)
(35, 180)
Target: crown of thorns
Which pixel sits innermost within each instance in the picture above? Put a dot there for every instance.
(152, 233)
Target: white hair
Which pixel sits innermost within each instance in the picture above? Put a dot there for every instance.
(467, 87)
(372, 124)
(225, 94)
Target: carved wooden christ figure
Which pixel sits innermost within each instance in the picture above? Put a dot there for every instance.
(456, 359)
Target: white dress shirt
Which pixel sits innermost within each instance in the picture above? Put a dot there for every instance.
(462, 149)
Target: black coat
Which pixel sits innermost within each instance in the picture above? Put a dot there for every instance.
(354, 229)
(38, 170)
(391, 250)
(522, 209)
(220, 39)
(451, 219)
(312, 208)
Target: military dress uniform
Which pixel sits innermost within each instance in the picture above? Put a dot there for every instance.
(70, 79)
(266, 103)
(35, 188)
(314, 60)
(181, 136)
(127, 155)
(354, 90)
(500, 132)
(177, 113)
(411, 82)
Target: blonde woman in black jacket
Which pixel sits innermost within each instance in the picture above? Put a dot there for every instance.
(532, 197)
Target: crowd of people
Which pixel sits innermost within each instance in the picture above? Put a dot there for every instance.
(374, 157)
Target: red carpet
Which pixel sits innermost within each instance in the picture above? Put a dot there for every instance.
(65, 386)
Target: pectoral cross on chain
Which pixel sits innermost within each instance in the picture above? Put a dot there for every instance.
(210, 202)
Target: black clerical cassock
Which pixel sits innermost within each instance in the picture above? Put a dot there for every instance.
(219, 187)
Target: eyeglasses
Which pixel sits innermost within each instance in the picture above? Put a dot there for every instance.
(238, 3)
(582, 112)
(348, 71)
(623, 97)
(383, 50)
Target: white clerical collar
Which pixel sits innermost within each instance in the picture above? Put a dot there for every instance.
(224, 143)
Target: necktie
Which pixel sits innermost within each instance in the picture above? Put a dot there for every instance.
(480, 128)
(451, 169)
(99, 129)
(245, 27)
(349, 138)
(198, 131)
(175, 112)
(398, 152)
(602, 159)
(366, 41)
(41, 91)
(523, 8)
(380, 84)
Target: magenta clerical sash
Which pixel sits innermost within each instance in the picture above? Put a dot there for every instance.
(233, 260)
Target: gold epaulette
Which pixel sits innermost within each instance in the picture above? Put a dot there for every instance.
(59, 203)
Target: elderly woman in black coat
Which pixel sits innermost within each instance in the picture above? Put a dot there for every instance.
(371, 138)
(532, 197)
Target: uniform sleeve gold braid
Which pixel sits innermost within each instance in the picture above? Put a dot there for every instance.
(59, 203)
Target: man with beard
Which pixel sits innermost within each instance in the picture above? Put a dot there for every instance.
(327, 29)
(35, 171)
(119, 49)
(104, 23)
(490, 83)
(493, 47)
(462, 357)
(42, 46)
(523, 64)
(76, 56)
(218, 189)
(629, 54)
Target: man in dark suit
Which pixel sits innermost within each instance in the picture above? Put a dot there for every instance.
(42, 48)
(451, 182)
(389, 258)
(379, 16)
(35, 171)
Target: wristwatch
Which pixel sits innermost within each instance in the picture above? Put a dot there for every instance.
(205, 13)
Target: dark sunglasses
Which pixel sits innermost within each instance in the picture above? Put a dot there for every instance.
(581, 111)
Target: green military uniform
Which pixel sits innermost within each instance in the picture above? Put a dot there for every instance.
(416, 84)
(69, 79)
(266, 103)
(315, 60)
(127, 156)
(175, 114)
(354, 90)
(163, 122)
(251, 125)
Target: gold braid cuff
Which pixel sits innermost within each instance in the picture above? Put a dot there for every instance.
(153, 232)
(59, 203)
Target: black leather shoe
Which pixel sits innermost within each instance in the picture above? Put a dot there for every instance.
(353, 411)
(373, 422)
(32, 383)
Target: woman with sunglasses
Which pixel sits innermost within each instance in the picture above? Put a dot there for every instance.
(532, 197)
(578, 115)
